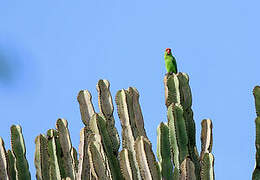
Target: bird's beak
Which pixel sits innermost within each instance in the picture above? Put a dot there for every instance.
(168, 51)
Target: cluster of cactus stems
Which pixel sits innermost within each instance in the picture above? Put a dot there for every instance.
(98, 154)
(256, 173)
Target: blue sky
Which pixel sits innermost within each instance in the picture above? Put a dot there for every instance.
(50, 50)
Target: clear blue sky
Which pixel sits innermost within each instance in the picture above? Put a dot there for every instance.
(50, 50)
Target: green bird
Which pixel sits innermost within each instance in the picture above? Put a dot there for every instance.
(170, 62)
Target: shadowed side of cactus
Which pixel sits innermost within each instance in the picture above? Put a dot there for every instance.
(84, 163)
(186, 102)
(68, 160)
(19, 152)
(146, 159)
(256, 173)
(99, 164)
(206, 157)
(106, 108)
(97, 125)
(187, 170)
(41, 159)
(56, 168)
(3, 161)
(131, 118)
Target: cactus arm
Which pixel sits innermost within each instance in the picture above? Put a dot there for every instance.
(19, 151)
(178, 134)
(187, 170)
(164, 152)
(186, 102)
(131, 119)
(99, 164)
(256, 93)
(105, 101)
(128, 136)
(206, 137)
(66, 147)
(128, 165)
(55, 169)
(11, 165)
(98, 126)
(256, 172)
(3, 161)
(171, 86)
(207, 164)
(74, 154)
(106, 107)
(86, 106)
(146, 159)
(137, 112)
(41, 159)
(125, 165)
(84, 164)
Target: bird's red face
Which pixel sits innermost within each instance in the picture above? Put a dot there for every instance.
(168, 50)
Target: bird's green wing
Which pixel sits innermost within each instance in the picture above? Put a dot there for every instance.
(174, 63)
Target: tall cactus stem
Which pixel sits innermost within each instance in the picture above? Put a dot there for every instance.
(164, 152)
(3, 161)
(177, 133)
(86, 106)
(41, 159)
(19, 151)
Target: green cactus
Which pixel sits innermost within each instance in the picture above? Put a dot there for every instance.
(56, 169)
(207, 164)
(99, 157)
(3, 161)
(177, 133)
(164, 152)
(256, 93)
(106, 107)
(132, 123)
(19, 151)
(86, 106)
(98, 125)
(146, 159)
(84, 164)
(41, 159)
(11, 165)
(187, 170)
(99, 164)
(68, 160)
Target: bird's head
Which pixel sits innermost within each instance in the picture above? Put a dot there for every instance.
(168, 51)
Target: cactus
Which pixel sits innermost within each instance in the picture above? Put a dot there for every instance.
(41, 160)
(3, 161)
(84, 163)
(146, 159)
(99, 155)
(256, 173)
(164, 152)
(68, 160)
(19, 151)
(178, 100)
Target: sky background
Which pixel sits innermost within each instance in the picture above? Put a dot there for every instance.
(50, 50)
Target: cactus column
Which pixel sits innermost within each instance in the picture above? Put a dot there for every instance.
(186, 161)
(256, 173)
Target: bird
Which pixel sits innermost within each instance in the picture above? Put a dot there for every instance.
(170, 62)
